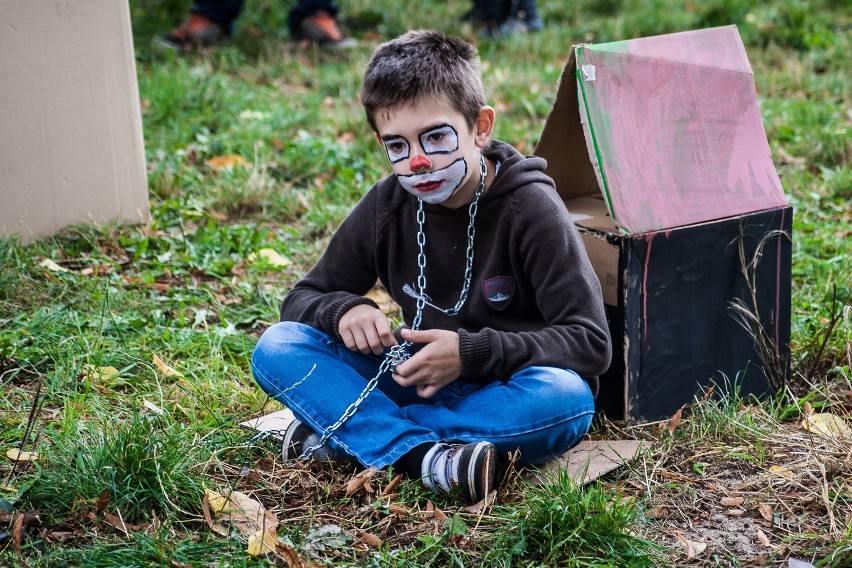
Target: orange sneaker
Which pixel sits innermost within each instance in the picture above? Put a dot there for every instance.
(321, 28)
(196, 31)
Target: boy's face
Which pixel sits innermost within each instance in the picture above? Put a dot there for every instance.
(434, 154)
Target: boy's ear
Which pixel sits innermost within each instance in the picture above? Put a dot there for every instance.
(484, 126)
(379, 140)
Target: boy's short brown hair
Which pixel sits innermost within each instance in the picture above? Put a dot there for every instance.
(424, 64)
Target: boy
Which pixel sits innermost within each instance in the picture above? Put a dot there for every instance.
(472, 241)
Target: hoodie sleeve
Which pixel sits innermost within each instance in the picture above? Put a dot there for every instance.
(344, 273)
(567, 293)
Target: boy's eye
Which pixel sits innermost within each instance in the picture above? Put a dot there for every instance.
(397, 149)
(440, 140)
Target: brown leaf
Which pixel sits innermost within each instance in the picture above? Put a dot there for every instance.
(807, 409)
(659, 512)
(229, 162)
(360, 480)
(18, 532)
(241, 512)
(736, 512)
(761, 536)
(290, 556)
(732, 501)
(370, 540)
(205, 507)
(765, 511)
(103, 501)
(435, 512)
(392, 485)
(674, 421)
(482, 506)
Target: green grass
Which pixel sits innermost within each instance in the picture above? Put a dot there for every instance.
(183, 289)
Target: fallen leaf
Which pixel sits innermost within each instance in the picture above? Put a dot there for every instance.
(736, 512)
(659, 512)
(693, 547)
(19, 456)
(262, 542)
(153, 408)
(103, 501)
(765, 511)
(370, 540)
(732, 501)
(435, 512)
(104, 376)
(272, 256)
(780, 471)
(392, 485)
(165, 369)
(674, 421)
(228, 162)
(52, 266)
(346, 138)
(360, 480)
(482, 506)
(761, 536)
(828, 425)
(240, 512)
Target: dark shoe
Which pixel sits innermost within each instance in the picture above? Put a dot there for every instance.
(299, 437)
(321, 28)
(197, 31)
(470, 467)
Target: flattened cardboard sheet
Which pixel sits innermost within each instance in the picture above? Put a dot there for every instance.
(591, 459)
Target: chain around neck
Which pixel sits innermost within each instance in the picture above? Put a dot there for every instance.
(421, 257)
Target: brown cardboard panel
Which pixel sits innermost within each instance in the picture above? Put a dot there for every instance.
(591, 459)
(275, 422)
(71, 147)
(604, 259)
(563, 143)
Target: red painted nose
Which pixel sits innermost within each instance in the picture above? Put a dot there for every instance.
(420, 162)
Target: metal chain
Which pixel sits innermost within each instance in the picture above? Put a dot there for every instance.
(399, 353)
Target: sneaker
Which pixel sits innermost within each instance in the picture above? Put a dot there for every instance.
(197, 31)
(299, 437)
(470, 467)
(321, 28)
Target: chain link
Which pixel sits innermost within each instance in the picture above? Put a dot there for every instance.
(399, 353)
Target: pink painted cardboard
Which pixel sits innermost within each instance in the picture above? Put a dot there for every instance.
(671, 127)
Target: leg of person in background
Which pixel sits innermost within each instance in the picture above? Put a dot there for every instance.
(316, 21)
(210, 23)
(527, 12)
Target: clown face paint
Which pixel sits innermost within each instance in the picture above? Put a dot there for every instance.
(432, 150)
(437, 186)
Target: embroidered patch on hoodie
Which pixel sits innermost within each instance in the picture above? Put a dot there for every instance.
(498, 291)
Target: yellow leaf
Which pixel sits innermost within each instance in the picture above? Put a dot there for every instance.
(165, 369)
(827, 424)
(262, 542)
(216, 501)
(52, 266)
(272, 256)
(17, 455)
(101, 375)
(229, 162)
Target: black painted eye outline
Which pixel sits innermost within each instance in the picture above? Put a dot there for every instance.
(447, 132)
(402, 153)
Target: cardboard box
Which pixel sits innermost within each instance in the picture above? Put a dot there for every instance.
(71, 148)
(658, 149)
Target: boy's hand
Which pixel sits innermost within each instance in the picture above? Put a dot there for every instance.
(436, 365)
(366, 329)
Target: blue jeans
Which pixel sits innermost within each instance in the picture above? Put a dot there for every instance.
(541, 411)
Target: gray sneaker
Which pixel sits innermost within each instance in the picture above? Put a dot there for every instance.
(299, 437)
(470, 467)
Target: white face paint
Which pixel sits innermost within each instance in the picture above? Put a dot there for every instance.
(433, 151)
(435, 186)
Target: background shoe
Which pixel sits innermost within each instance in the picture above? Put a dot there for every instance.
(470, 467)
(321, 28)
(299, 437)
(196, 31)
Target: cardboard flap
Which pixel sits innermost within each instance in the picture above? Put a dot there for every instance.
(672, 130)
(563, 142)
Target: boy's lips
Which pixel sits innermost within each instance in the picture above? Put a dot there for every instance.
(429, 185)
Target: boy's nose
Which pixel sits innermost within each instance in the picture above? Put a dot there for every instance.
(420, 162)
